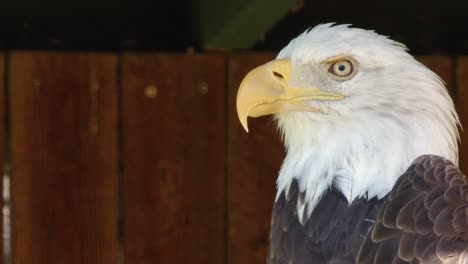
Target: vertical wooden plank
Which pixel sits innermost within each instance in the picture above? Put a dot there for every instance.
(64, 112)
(254, 160)
(2, 141)
(173, 154)
(461, 101)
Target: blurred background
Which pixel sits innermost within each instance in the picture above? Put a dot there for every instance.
(118, 131)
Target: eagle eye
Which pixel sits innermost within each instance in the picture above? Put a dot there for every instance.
(342, 70)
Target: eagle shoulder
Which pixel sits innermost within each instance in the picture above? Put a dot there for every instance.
(424, 218)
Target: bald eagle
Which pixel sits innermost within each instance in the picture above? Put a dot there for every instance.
(370, 174)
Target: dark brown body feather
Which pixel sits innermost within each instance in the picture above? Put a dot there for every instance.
(332, 234)
(423, 220)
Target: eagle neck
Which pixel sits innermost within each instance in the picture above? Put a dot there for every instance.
(361, 159)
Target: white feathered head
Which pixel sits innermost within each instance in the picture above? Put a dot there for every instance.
(354, 108)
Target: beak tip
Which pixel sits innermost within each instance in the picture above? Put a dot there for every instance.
(244, 125)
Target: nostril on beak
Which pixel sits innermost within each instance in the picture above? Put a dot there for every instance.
(278, 75)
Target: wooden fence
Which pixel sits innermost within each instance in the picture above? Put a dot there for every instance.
(139, 158)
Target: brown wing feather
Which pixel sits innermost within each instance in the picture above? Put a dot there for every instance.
(425, 217)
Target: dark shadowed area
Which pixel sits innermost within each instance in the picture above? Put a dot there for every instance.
(427, 27)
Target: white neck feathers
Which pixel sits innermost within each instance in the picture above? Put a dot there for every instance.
(363, 156)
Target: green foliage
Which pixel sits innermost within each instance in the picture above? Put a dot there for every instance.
(236, 24)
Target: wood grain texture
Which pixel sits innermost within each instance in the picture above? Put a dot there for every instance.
(64, 157)
(173, 154)
(461, 102)
(2, 137)
(254, 160)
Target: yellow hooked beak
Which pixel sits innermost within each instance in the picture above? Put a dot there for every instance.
(265, 90)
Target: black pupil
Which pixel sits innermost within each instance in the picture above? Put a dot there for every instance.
(341, 67)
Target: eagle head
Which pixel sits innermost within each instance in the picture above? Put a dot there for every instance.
(354, 110)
